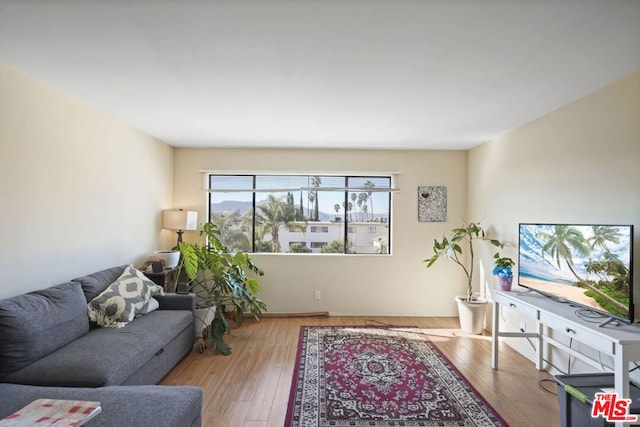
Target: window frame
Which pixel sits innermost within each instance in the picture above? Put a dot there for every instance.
(349, 225)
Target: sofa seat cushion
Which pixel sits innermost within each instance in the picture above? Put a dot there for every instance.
(35, 324)
(106, 356)
(140, 406)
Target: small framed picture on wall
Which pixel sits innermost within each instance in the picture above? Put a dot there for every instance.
(432, 204)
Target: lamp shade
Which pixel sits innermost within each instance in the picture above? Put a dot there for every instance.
(175, 219)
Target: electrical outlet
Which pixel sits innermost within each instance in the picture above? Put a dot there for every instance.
(316, 295)
(523, 327)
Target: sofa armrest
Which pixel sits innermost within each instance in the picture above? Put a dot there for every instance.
(138, 405)
(171, 301)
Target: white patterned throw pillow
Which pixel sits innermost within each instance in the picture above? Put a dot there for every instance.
(118, 304)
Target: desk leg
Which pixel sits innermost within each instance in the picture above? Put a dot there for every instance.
(495, 334)
(540, 347)
(621, 376)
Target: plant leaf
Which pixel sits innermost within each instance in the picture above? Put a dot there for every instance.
(190, 259)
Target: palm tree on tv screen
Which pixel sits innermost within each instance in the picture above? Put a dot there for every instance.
(603, 234)
(609, 268)
(561, 243)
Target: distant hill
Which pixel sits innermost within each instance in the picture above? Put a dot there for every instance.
(231, 206)
(242, 207)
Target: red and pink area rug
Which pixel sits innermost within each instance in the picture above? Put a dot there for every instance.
(380, 377)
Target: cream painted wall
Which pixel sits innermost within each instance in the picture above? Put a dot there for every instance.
(578, 164)
(398, 284)
(79, 191)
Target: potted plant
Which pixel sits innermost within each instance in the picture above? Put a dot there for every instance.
(502, 269)
(220, 279)
(471, 308)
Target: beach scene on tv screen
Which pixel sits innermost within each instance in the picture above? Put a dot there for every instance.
(587, 264)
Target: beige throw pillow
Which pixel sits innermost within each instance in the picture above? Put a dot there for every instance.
(118, 304)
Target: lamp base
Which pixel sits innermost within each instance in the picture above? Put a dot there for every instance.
(180, 232)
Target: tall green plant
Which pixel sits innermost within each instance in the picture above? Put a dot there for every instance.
(221, 279)
(452, 248)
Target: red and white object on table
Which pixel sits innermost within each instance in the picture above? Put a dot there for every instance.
(53, 412)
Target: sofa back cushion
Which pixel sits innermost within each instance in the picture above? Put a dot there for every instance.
(35, 324)
(94, 284)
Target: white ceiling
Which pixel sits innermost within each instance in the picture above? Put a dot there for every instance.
(402, 74)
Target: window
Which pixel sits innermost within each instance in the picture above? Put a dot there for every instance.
(272, 213)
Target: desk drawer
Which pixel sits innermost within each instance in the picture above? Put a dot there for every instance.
(576, 331)
(522, 308)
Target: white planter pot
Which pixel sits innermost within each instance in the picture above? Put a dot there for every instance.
(171, 258)
(471, 315)
(204, 316)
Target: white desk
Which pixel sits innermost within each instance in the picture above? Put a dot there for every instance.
(621, 342)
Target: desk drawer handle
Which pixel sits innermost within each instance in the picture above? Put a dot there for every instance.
(571, 331)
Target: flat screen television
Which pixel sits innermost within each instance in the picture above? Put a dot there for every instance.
(589, 265)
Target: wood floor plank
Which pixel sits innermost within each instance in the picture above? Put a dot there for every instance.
(250, 388)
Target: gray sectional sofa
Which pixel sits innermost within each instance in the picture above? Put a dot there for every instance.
(50, 349)
(122, 406)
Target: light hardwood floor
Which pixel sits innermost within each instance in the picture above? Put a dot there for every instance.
(250, 388)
